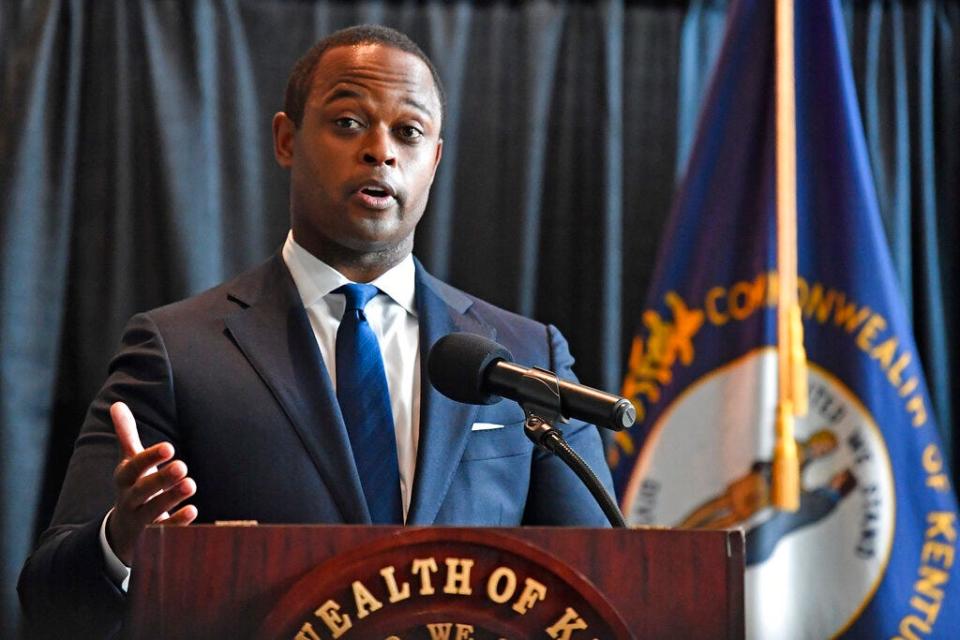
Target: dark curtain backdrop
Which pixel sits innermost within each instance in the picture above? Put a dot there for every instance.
(137, 169)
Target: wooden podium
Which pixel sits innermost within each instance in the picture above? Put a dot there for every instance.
(365, 582)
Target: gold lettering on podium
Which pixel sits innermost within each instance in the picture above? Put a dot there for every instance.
(424, 567)
(422, 578)
(443, 631)
(494, 592)
(440, 630)
(396, 594)
(569, 622)
(458, 576)
(364, 600)
(533, 592)
(330, 616)
(306, 633)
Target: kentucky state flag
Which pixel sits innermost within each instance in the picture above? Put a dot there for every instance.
(872, 550)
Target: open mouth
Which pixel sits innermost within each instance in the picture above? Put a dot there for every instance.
(375, 192)
(378, 196)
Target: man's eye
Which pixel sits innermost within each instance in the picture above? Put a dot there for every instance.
(410, 133)
(346, 123)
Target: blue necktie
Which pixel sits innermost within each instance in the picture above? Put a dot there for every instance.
(365, 403)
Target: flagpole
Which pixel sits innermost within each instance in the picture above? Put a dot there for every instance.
(792, 375)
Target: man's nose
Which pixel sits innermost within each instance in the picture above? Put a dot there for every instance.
(379, 149)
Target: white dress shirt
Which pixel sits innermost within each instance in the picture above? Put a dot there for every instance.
(393, 318)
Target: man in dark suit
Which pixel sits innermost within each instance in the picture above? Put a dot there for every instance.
(245, 395)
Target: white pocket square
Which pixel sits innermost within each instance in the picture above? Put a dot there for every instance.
(485, 426)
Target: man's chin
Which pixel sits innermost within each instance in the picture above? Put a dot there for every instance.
(375, 231)
(377, 241)
(357, 236)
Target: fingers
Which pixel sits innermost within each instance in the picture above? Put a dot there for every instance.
(125, 426)
(153, 483)
(146, 493)
(181, 518)
(145, 497)
(127, 521)
(156, 509)
(145, 462)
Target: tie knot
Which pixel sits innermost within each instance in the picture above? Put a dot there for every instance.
(357, 295)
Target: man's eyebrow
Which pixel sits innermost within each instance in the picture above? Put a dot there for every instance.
(345, 92)
(419, 106)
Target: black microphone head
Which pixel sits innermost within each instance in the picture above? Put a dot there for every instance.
(457, 364)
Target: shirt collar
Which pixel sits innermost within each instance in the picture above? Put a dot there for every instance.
(315, 279)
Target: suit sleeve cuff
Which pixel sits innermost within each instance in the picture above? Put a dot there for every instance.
(118, 572)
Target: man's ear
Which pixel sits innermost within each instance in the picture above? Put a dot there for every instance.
(283, 133)
(436, 161)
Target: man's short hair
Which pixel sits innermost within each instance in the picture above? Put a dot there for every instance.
(301, 76)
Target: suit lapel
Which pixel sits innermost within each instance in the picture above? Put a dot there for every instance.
(273, 332)
(444, 424)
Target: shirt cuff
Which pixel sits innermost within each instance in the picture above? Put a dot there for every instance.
(118, 572)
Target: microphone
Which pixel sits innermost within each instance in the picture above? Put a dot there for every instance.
(469, 368)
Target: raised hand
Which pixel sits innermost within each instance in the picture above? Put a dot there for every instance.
(145, 495)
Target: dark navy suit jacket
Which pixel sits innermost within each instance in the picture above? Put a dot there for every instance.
(234, 379)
